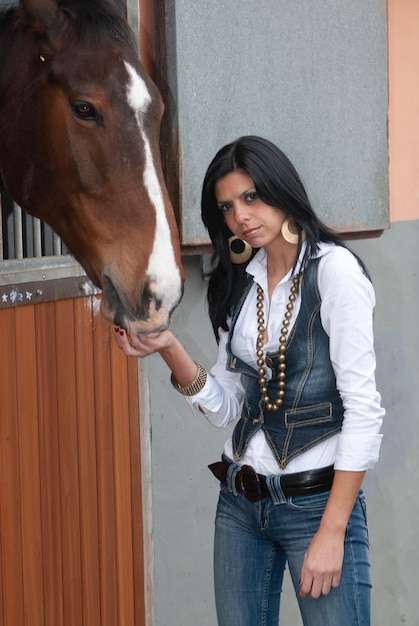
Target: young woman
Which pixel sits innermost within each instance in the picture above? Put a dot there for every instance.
(291, 309)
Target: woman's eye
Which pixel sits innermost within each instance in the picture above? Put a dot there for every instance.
(224, 208)
(251, 196)
(85, 111)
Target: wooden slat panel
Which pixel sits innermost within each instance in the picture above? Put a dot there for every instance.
(10, 510)
(122, 464)
(106, 488)
(136, 492)
(86, 428)
(70, 476)
(46, 355)
(69, 464)
(27, 402)
(1, 533)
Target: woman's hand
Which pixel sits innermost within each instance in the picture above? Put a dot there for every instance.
(322, 564)
(165, 343)
(143, 345)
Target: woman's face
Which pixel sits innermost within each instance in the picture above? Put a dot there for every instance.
(245, 214)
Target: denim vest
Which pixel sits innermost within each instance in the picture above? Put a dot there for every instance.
(312, 409)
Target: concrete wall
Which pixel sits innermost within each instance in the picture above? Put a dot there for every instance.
(183, 490)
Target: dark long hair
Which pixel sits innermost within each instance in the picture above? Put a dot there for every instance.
(278, 184)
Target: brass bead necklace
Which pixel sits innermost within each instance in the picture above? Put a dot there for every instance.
(263, 384)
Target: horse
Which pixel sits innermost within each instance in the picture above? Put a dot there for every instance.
(79, 148)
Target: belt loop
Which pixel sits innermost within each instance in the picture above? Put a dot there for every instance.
(273, 483)
(232, 472)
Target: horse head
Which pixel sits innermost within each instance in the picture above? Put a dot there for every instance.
(79, 148)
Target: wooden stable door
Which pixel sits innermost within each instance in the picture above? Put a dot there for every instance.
(71, 532)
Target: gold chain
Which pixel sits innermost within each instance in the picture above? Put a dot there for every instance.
(282, 347)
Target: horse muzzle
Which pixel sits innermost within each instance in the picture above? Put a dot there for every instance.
(149, 312)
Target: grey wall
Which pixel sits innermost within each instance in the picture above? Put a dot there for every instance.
(185, 493)
(310, 76)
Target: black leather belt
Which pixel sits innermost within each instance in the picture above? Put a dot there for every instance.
(253, 486)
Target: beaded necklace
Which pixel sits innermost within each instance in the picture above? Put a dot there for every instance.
(273, 406)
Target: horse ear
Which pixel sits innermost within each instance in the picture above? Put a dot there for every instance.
(45, 17)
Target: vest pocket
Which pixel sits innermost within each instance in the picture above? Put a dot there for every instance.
(309, 415)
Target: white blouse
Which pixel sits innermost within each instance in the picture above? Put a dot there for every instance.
(347, 317)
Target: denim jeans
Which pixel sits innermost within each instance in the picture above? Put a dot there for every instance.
(255, 541)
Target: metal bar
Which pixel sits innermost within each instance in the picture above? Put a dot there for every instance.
(20, 293)
(13, 271)
(18, 231)
(37, 237)
(57, 245)
(1, 228)
(133, 16)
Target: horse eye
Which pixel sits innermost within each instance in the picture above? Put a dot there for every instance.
(84, 110)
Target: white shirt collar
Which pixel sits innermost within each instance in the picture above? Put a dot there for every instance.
(258, 265)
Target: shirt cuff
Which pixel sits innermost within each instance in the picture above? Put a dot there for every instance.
(357, 453)
(217, 407)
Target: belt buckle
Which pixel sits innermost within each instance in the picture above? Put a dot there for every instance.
(250, 491)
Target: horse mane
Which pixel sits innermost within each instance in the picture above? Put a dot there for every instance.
(98, 19)
(93, 19)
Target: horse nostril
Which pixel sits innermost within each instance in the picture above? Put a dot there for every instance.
(123, 310)
(114, 303)
(154, 304)
(148, 301)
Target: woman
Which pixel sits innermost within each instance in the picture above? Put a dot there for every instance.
(291, 308)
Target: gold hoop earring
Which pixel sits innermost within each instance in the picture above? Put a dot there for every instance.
(287, 233)
(240, 250)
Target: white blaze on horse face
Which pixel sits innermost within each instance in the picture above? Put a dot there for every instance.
(162, 270)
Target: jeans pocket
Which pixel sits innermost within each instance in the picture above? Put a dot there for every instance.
(314, 502)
